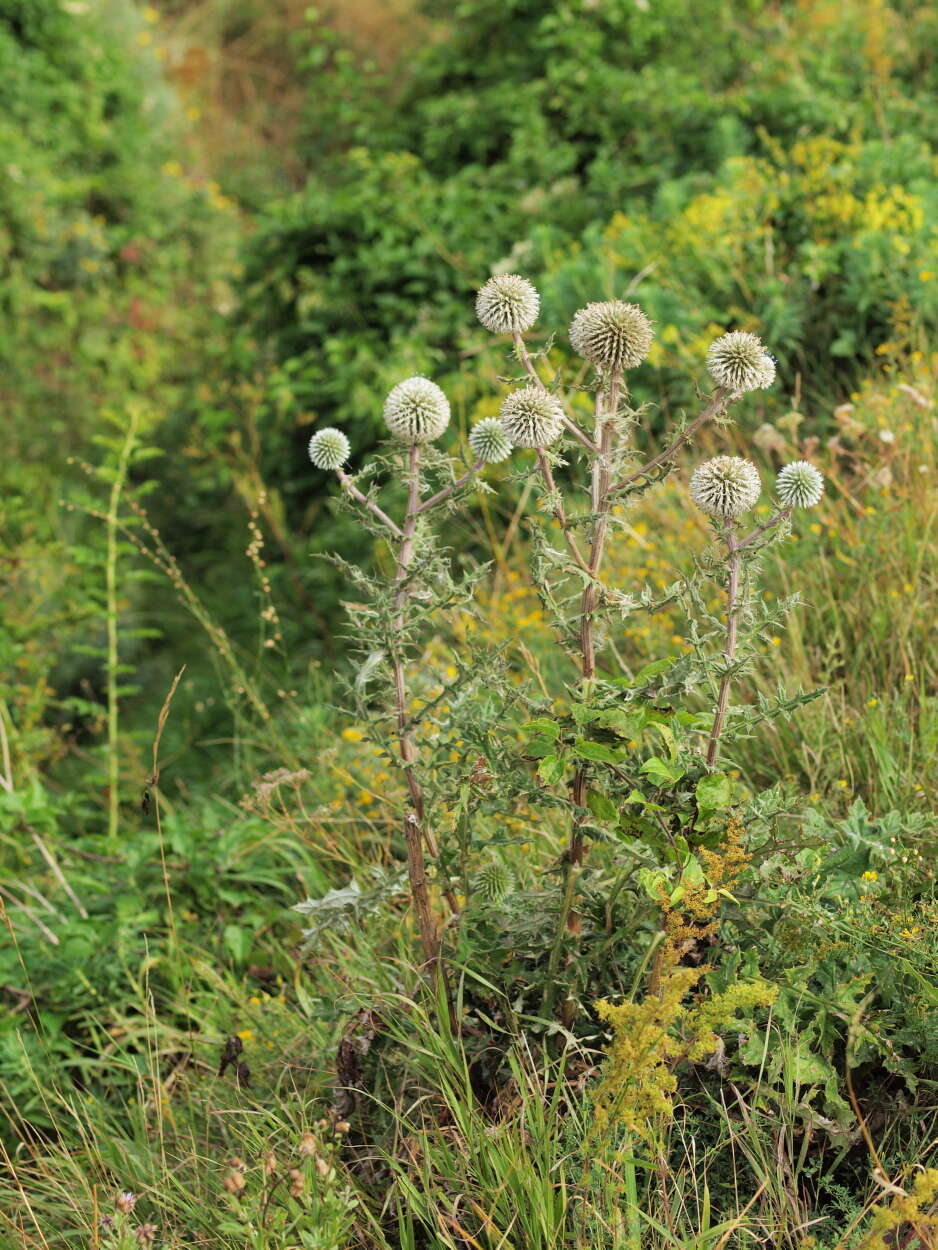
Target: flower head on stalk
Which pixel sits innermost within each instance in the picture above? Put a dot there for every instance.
(416, 411)
(726, 486)
(507, 303)
(531, 417)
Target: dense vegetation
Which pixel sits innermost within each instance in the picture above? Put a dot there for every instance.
(224, 225)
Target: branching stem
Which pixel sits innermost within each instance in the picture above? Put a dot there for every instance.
(368, 503)
(715, 408)
(451, 489)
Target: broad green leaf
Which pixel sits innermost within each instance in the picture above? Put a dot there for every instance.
(551, 768)
(596, 751)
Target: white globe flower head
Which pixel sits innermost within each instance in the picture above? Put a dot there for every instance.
(489, 442)
(531, 417)
(329, 449)
(416, 411)
(740, 363)
(799, 485)
(507, 303)
(612, 335)
(726, 486)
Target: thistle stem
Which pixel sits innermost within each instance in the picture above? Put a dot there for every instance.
(368, 503)
(451, 489)
(782, 515)
(416, 834)
(559, 511)
(734, 564)
(599, 502)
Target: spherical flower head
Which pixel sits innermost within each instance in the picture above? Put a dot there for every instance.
(489, 442)
(740, 363)
(416, 411)
(531, 418)
(126, 1202)
(329, 449)
(612, 335)
(507, 303)
(799, 485)
(726, 486)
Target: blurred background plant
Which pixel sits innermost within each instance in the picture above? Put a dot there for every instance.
(251, 220)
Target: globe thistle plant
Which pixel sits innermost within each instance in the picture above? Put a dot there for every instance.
(507, 304)
(531, 417)
(612, 335)
(726, 486)
(739, 362)
(489, 442)
(329, 449)
(799, 485)
(416, 411)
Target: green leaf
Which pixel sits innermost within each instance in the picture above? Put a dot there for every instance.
(551, 768)
(661, 772)
(543, 727)
(602, 808)
(712, 794)
(654, 669)
(538, 748)
(596, 751)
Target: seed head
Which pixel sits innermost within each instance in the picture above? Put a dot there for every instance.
(799, 485)
(329, 449)
(416, 411)
(531, 417)
(489, 442)
(506, 303)
(726, 486)
(611, 335)
(739, 362)
(146, 1234)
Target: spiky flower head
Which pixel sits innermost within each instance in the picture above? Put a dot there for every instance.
(739, 362)
(799, 485)
(416, 411)
(126, 1202)
(726, 486)
(507, 302)
(611, 335)
(329, 449)
(494, 881)
(489, 442)
(531, 417)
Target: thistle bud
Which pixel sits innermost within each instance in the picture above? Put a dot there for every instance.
(416, 411)
(531, 417)
(489, 442)
(612, 335)
(329, 449)
(799, 485)
(726, 486)
(507, 303)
